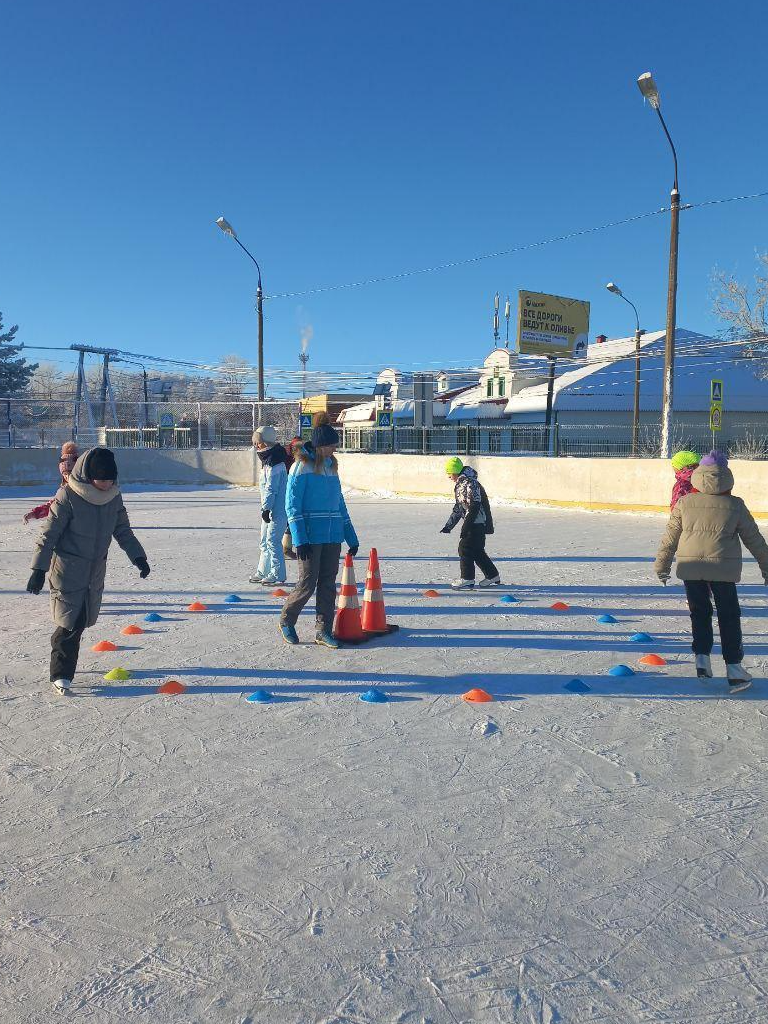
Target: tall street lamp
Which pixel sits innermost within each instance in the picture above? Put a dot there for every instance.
(615, 290)
(227, 228)
(649, 90)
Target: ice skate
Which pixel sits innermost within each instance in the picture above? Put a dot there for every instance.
(62, 685)
(738, 678)
(463, 585)
(490, 581)
(256, 578)
(703, 666)
(271, 581)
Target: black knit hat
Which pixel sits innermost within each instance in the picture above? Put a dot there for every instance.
(324, 435)
(100, 465)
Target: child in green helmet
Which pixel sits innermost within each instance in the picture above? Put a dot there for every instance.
(683, 463)
(471, 506)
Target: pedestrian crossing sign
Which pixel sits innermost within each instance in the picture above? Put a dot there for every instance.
(383, 419)
(305, 421)
(716, 391)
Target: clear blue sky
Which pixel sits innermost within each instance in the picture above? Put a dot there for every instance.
(353, 139)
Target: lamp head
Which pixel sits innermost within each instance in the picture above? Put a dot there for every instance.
(647, 87)
(614, 288)
(225, 226)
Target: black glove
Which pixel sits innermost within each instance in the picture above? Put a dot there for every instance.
(303, 552)
(266, 515)
(354, 548)
(143, 566)
(446, 529)
(36, 581)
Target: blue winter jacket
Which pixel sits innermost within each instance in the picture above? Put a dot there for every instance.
(272, 481)
(317, 512)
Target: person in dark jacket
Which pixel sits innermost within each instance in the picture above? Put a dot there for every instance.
(473, 510)
(73, 544)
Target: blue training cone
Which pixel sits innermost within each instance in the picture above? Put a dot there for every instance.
(259, 697)
(620, 670)
(508, 599)
(576, 686)
(641, 638)
(374, 696)
(153, 617)
(232, 599)
(606, 620)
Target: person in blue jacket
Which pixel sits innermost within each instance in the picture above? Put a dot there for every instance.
(319, 522)
(273, 479)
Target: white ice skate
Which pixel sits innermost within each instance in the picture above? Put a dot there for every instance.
(270, 581)
(738, 678)
(703, 666)
(256, 578)
(62, 685)
(462, 585)
(490, 581)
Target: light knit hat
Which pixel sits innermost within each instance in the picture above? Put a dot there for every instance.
(265, 435)
(681, 460)
(454, 465)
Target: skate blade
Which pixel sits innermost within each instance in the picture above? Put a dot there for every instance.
(703, 675)
(739, 687)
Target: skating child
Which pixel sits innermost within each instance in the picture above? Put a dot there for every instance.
(67, 459)
(319, 522)
(471, 506)
(292, 448)
(73, 543)
(706, 530)
(683, 463)
(272, 483)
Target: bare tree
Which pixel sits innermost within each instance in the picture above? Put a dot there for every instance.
(744, 309)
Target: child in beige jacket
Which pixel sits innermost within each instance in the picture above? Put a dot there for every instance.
(706, 531)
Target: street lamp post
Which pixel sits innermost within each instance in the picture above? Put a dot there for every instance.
(649, 90)
(227, 228)
(615, 290)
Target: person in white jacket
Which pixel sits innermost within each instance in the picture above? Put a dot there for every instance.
(273, 478)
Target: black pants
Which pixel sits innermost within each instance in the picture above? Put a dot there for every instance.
(65, 649)
(317, 575)
(728, 618)
(472, 553)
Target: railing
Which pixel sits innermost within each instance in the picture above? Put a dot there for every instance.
(37, 423)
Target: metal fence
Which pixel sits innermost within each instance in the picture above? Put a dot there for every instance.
(739, 440)
(37, 423)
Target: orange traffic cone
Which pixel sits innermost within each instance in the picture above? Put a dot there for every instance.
(347, 624)
(374, 613)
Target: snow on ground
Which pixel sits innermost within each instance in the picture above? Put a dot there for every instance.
(551, 858)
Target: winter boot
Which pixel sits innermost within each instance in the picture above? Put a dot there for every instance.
(462, 585)
(738, 678)
(703, 666)
(62, 685)
(289, 634)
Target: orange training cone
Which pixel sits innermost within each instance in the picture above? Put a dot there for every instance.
(104, 645)
(652, 659)
(172, 687)
(196, 606)
(559, 606)
(348, 625)
(131, 630)
(374, 614)
(279, 593)
(431, 593)
(477, 696)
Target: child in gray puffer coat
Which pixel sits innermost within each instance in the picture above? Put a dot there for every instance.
(73, 544)
(706, 530)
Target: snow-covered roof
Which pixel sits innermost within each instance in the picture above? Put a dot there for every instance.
(605, 381)
(472, 404)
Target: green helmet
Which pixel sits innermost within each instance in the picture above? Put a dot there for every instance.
(454, 465)
(680, 460)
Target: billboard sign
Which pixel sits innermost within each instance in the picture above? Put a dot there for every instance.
(551, 325)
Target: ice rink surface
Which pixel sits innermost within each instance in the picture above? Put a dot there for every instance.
(549, 858)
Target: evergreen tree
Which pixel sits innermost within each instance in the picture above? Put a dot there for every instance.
(15, 373)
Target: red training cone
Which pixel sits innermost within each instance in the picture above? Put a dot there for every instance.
(104, 645)
(477, 696)
(559, 606)
(132, 631)
(172, 687)
(347, 624)
(196, 606)
(374, 616)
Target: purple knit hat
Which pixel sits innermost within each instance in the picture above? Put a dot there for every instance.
(715, 459)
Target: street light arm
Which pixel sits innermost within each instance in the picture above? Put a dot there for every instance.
(637, 318)
(251, 256)
(671, 143)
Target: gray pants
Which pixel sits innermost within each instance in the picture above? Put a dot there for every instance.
(317, 574)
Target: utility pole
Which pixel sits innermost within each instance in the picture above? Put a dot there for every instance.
(650, 91)
(304, 359)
